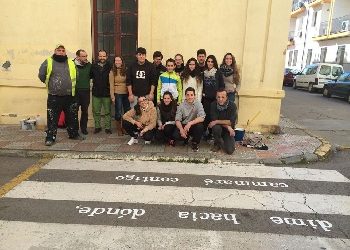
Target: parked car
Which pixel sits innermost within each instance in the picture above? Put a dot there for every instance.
(339, 87)
(289, 76)
(314, 76)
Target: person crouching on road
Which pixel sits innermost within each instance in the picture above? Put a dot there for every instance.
(141, 121)
(166, 112)
(59, 74)
(189, 120)
(101, 93)
(223, 115)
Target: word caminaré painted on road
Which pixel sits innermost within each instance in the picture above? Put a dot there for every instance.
(119, 213)
(145, 178)
(245, 183)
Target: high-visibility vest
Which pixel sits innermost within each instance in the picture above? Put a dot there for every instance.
(72, 73)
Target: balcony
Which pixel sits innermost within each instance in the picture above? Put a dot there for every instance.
(297, 8)
(340, 24)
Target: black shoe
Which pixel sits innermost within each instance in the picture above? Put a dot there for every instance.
(78, 138)
(49, 142)
(97, 130)
(195, 147)
(108, 131)
(84, 131)
(215, 148)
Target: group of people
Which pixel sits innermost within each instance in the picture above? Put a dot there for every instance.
(175, 102)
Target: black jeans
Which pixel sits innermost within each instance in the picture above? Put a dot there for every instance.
(83, 96)
(221, 133)
(196, 131)
(132, 129)
(57, 104)
(206, 102)
(166, 134)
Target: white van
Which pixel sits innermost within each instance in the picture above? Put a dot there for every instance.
(314, 76)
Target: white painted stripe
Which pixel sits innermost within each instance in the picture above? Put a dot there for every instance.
(73, 236)
(233, 169)
(186, 196)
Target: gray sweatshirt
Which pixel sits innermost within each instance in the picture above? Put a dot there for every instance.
(187, 112)
(60, 83)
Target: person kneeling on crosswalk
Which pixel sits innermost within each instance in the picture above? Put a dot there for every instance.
(189, 119)
(223, 115)
(140, 121)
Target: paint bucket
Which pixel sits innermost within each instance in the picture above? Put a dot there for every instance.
(239, 134)
(28, 124)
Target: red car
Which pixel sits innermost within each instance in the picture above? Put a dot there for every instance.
(289, 76)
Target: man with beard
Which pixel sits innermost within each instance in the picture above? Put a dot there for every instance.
(101, 92)
(59, 74)
(223, 115)
(201, 56)
(83, 87)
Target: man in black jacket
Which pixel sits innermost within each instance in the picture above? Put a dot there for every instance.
(160, 69)
(100, 92)
(223, 119)
(141, 78)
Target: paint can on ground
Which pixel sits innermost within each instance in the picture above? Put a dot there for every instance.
(239, 134)
(28, 124)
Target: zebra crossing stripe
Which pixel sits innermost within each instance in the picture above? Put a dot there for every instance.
(190, 196)
(232, 169)
(74, 236)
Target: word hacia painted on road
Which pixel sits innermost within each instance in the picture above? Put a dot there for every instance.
(145, 178)
(325, 225)
(119, 213)
(208, 216)
(245, 183)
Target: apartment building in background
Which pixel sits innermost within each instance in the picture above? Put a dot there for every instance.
(319, 31)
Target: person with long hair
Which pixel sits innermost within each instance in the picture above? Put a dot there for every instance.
(118, 91)
(141, 121)
(191, 77)
(166, 112)
(231, 76)
(212, 81)
(179, 62)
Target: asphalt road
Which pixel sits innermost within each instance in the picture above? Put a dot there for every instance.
(325, 117)
(106, 204)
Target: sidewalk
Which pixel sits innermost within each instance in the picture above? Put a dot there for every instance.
(292, 146)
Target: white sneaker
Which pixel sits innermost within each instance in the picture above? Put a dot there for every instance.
(147, 142)
(133, 141)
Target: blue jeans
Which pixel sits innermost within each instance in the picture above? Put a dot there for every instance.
(122, 105)
(231, 96)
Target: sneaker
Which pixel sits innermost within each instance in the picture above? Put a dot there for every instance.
(49, 142)
(133, 141)
(195, 147)
(97, 130)
(215, 148)
(108, 131)
(84, 131)
(147, 142)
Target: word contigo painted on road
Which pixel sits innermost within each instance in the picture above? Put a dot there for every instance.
(325, 225)
(246, 183)
(119, 213)
(135, 178)
(208, 216)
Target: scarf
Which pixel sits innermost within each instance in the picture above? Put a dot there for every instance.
(210, 73)
(222, 107)
(226, 70)
(59, 58)
(167, 112)
(192, 73)
(179, 70)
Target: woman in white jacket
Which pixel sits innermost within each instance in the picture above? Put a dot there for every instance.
(191, 77)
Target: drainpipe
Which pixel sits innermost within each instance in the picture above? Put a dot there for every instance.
(307, 27)
(330, 19)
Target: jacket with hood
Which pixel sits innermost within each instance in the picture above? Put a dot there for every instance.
(148, 116)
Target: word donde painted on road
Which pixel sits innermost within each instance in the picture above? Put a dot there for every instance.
(194, 216)
(245, 183)
(119, 213)
(325, 225)
(145, 178)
